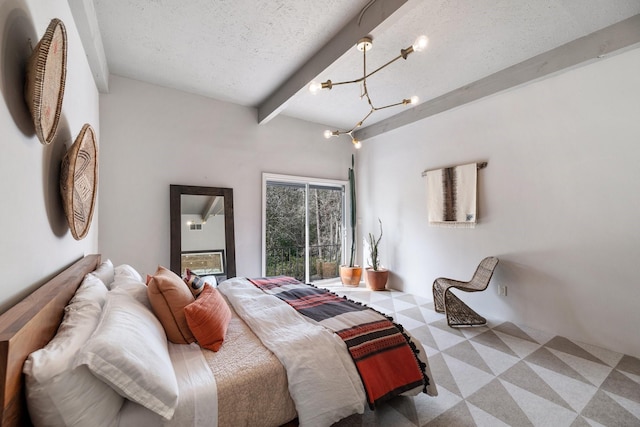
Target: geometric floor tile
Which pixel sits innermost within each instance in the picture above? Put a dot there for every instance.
(540, 411)
(545, 358)
(502, 374)
(606, 411)
(484, 419)
(511, 329)
(444, 378)
(496, 400)
(465, 352)
(445, 339)
(576, 393)
(596, 373)
(629, 364)
(423, 334)
(490, 339)
(580, 421)
(619, 384)
(609, 357)
(407, 322)
(629, 405)
(566, 346)
(523, 376)
(497, 361)
(469, 379)
(459, 415)
(413, 312)
(520, 347)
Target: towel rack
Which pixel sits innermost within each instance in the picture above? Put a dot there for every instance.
(480, 165)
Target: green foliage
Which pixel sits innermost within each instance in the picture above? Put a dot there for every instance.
(352, 190)
(285, 228)
(373, 248)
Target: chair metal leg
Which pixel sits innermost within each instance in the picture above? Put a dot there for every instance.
(459, 314)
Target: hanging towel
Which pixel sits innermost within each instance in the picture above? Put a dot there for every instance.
(451, 196)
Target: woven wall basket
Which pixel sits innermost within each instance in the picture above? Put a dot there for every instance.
(79, 182)
(44, 86)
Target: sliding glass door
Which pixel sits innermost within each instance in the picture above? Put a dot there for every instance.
(303, 227)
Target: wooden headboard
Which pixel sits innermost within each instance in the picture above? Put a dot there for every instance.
(28, 326)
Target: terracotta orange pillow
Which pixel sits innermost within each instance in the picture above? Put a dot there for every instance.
(208, 318)
(169, 295)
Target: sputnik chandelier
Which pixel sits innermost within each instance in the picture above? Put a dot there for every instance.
(364, 45)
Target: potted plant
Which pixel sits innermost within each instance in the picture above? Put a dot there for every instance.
(376, 275)
(351, 274)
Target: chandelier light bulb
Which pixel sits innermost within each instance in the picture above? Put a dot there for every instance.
(364, 45)
(421, 43)
(314, 87)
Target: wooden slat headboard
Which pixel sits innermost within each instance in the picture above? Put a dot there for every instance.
(28, 326)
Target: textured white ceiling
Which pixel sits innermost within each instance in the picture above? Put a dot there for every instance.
(241, 51)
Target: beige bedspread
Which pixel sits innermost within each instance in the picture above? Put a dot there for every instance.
(248, 375)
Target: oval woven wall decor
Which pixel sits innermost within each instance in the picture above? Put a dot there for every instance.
(79, 182)
(45, 79)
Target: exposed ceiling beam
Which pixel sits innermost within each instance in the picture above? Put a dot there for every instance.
(214, 206)
(84, 15)
(334, 49)
(623, 34)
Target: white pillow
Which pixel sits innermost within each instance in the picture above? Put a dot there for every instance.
(133, 287)
(58, 394)
(128, 271)
(92, 291)
(105, 272)
(129, 352)
(212, 280)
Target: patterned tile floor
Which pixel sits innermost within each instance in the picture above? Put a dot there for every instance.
(503, 375)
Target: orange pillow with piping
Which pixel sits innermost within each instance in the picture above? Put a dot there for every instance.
(169, 295)
(208, 318)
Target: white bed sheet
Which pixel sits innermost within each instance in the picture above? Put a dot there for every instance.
(198, 396)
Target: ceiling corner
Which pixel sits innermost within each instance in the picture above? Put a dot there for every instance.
(84, 15)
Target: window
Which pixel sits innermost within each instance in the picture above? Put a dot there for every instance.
(303, 227)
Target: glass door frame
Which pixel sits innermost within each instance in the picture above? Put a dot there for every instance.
(306, 182)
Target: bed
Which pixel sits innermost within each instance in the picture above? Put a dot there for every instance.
(244, 370)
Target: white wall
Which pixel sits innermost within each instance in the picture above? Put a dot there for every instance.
(559, 202)
(210, 236)
(154, 137)
(36, 242)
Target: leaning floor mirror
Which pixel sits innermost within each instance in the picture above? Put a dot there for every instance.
(202, 232)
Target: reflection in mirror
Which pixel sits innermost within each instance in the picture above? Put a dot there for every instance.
(202, 235)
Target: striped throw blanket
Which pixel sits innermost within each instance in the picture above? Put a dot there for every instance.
(384, 355)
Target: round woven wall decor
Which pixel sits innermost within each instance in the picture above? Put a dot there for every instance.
(44, 86)
(79, 182)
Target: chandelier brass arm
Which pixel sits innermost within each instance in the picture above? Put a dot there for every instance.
(363, 45)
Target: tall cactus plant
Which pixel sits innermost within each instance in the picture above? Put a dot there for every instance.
(352, 192)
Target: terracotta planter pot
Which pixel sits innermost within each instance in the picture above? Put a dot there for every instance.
(350, 276)
(377, 280)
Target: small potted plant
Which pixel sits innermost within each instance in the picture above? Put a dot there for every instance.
(376, 275)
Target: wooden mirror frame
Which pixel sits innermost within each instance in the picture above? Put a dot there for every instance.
(176, 191)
